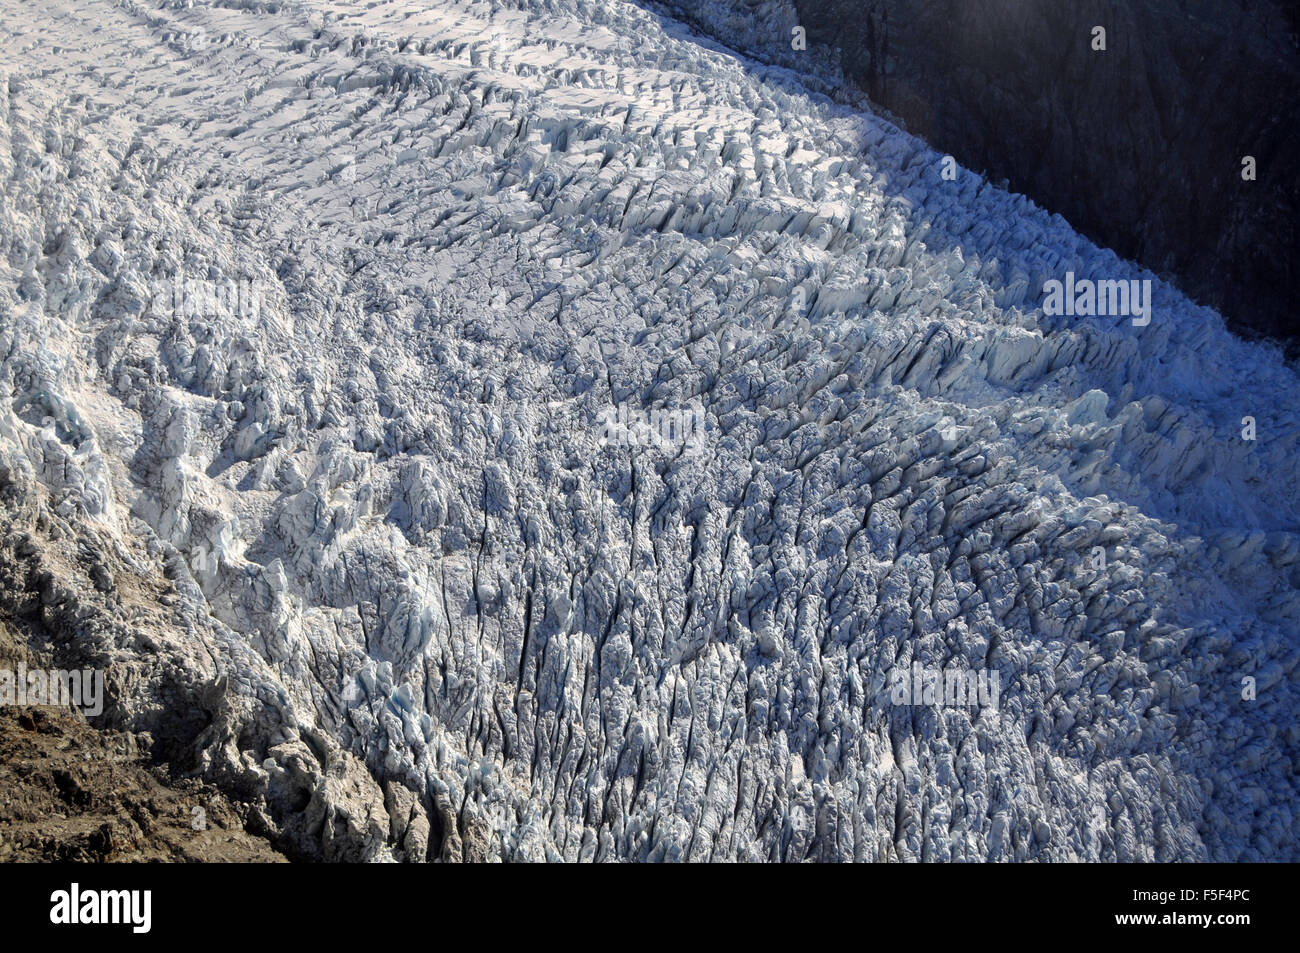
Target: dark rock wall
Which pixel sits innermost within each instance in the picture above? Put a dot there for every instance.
(1139, 147)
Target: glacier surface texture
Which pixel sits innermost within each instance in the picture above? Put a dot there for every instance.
(314, 318)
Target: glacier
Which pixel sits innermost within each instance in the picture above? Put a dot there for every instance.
(312, 322)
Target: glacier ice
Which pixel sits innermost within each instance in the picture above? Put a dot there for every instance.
(361, 553)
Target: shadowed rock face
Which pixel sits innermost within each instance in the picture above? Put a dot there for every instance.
(1139, 146)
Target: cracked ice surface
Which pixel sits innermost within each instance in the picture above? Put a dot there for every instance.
(365, 540)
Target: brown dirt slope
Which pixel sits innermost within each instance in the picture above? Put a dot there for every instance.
(69, 792)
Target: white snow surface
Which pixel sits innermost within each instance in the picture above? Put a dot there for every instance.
(371, 523)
